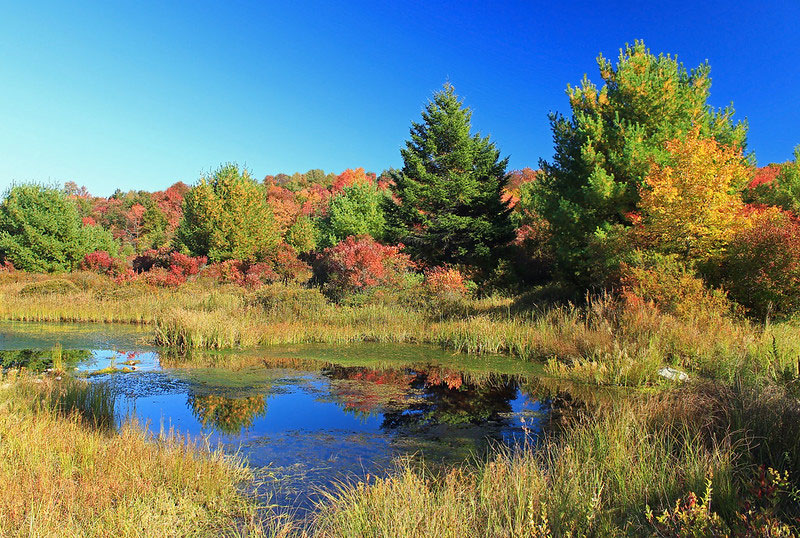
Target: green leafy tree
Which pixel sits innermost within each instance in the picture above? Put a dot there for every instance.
(41, 230)
(604, 152)
(358, 210)
(226, 216)
(447, 205)
(302, 235)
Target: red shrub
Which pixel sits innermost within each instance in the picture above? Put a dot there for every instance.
(162, 278)
(98, 261)
(164, 268)
(284, 266)
(288, 266)
(185, 265)
(358, 263)
(7, 267)
(444, 281)
(761, 265)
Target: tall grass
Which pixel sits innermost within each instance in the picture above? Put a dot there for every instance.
(601, 341)
(599, 477)
(62, 476)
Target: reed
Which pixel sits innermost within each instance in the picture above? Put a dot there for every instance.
(601, 341)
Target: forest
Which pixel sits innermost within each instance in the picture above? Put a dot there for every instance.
(649, 254)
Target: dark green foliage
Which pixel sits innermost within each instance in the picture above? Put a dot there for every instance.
(358, 210)
(605, 150)
(226, 216)
(41, 231)
(448, 207)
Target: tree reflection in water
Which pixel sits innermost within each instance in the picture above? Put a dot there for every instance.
(226, 414)
(422, 395)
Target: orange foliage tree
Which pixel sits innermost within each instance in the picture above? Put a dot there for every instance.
(690, 205)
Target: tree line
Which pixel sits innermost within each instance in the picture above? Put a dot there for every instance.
(651, 192)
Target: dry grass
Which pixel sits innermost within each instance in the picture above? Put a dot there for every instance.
(61, 476)
(602, 341)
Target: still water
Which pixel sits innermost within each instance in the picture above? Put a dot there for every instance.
(308, 417)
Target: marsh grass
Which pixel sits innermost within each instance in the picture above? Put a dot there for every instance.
(64, 472)
(599, 476)
(596, 478)
(599, 341)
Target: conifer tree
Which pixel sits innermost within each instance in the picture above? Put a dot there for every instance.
(447, 205)
(604, 152)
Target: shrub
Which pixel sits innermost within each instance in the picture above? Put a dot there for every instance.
(163, 268)
(359, 263)
(445, 281)
(761, 266)
(283, 266)
(102, 262)
(667, 283)
(56, 286)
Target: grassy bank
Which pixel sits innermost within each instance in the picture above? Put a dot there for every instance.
(66, 471)
(602, 341)
(704, 460)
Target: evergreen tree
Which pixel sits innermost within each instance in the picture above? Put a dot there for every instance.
(447, 205)
(604, 152)
(41, 231)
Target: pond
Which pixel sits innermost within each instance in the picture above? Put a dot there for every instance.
(308, 417)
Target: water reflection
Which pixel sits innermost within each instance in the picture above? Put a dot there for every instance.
(227, 415)
(306, 417)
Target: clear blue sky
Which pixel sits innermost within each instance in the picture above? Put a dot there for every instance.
(142, 94)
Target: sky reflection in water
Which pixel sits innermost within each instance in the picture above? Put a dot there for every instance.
(306, 417)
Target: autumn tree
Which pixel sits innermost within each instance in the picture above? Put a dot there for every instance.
(41, 230)
(357, 210)
(777, 185)
(690, 204)
(226, 216)
(616, 133)
(447, 205)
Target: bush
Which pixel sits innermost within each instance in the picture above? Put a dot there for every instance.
(667, 283)
(360, 263)
(102, 262)
(761, 266)
(283, 266)
(57, 286)
(445, 281)
(163, 268)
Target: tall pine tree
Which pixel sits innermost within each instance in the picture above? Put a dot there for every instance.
(447, 205)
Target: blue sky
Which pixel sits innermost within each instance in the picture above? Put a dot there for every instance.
(143, 94)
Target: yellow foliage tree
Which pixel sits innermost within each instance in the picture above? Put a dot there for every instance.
(691, 205)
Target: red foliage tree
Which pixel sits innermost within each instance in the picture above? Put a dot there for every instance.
(762, 264)
(358, 263)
